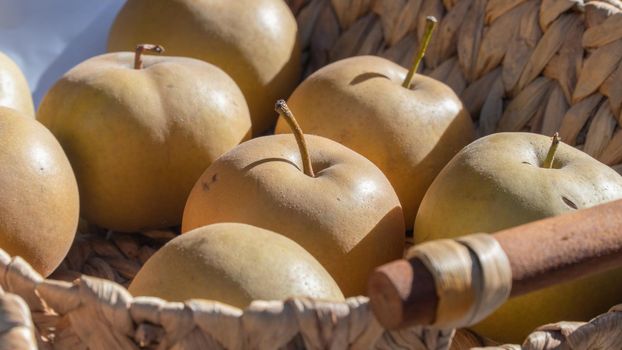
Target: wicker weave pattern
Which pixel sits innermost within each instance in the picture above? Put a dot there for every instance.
(99, 314)
(518, 65)
(16, 327)
(603, 332)
(96, 313)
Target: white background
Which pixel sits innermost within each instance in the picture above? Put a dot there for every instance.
(48, 37)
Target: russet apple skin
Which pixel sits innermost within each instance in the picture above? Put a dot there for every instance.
(496, 183)
(348, 216)
(138, 139)
(254, 41)
(14, 91)
(235, 264)
(410, 134)
(39, 202)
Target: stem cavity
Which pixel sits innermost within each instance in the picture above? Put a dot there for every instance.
(283, 110)
(550, 157)
(140, 49)
(430, 24)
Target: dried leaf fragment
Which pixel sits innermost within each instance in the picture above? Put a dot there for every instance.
(567, 62)
(399, 51)
(525, 105)
(323, 39)
(600, 132)
(521, 48)
(608, 31)
(456, 79)
(613, 152)
(349, 42)
(445, 39)
(549, 44)
(550, 10)
(389, 13)
(596, 12)
(556, 108)
(612, 88)
(307, 21)
(475, 94)
(597, 68)
(372, 42)
(576, 117)
(342, 9)
(492, 110)
(469, 38)
(497, 38)
(496, 8)
(406, 21)
(356, 9)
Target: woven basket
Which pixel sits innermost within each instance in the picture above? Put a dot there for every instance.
(530, 65)
(95, 313)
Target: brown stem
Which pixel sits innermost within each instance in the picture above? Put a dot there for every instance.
(283, 110)
(430, 24)
(138, 61)
(550, 157)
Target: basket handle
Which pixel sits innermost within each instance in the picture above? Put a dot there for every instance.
(455, 283)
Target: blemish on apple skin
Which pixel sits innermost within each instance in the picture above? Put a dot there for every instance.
(526, 163)
(206, 185)
(569, 203)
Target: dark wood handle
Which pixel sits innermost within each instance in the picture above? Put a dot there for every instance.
(542, 253)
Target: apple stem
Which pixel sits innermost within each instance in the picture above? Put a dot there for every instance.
(138, 61)
(283, 110)
(430, 24)
(548, 162)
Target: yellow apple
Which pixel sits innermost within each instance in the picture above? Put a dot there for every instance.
(507, 179)
(254, 41)
(139, 132)
(341, 209)
(39, 202)
(234, 264)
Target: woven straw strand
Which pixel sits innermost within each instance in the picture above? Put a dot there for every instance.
(16, 327)
(602, 332)
(98, 314)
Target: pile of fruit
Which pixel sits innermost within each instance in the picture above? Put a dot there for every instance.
(177, 128)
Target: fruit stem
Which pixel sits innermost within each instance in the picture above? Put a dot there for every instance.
(430, 24)
(138, 61)
(283, 110)
(548, 162)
